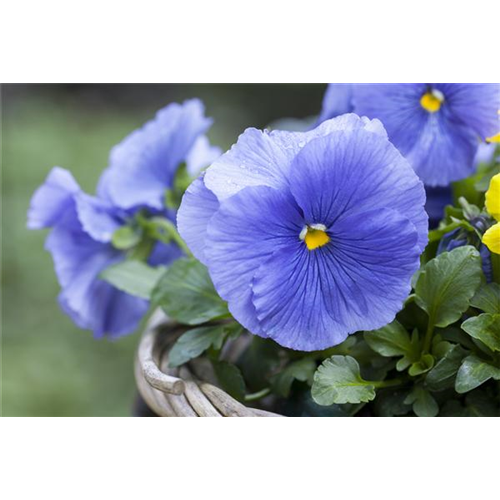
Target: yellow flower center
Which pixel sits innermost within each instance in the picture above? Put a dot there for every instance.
(314, 236)
(431, 101)
(494, 138)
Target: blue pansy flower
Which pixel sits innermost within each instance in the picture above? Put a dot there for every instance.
(143, 166)
(80, 244)
(309, 236)
(438, 127)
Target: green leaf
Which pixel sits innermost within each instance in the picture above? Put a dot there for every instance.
(442, 376)
(423, 404)
(230, 379)
(186, 294)
(447, 283)
(302, 370)
(423, 365)
(125, 238)
(391, 340)
(196, 341)
(338, 380)
(487, 298)
(259, 361)
(394, 340)
(486, 328)
(474, 372)
(133, 277)
(391, 403)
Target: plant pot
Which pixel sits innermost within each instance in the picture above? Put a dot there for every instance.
(188, 391)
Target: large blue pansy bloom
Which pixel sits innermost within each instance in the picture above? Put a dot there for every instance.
(438, 127)
(309, 236)
(80, 244)
(143, 166)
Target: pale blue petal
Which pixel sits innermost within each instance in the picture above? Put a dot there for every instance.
(241, 235)
(197, 208)
(98, 218)
(201, 156)
(52, 199)
(336, 101)
(143, 165)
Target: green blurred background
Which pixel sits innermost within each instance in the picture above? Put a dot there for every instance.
(49, 367)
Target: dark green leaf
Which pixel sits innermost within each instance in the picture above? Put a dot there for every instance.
(259, 361)
(186, 294)
(442, 376)
(423, 404)
(391, 403)
(486, 328)
(133, 277)
(487, 298)
(196, 341)
(447, 283)
(230, 379)
(474, 372)
(338, 380)
(302, 370)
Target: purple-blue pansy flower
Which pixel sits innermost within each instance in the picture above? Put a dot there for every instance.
(437, 126)
(309, 236)
(336, 101)
(80, 244)
(143, 166)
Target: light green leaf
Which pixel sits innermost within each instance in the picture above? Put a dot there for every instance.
(338, 380)
(442, 376)
(487, 298)
(196, 341)
(230, 379)
(125, 238)
(423, 365)
(423, 404)
(186, 294)
(474, 372)
(486, 328)
(447, 283)
(302, 370)
(133, 277)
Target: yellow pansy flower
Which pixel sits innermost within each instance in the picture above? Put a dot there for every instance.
(491, 237)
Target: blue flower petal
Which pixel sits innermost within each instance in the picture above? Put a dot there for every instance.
(51, 200)
(89, 301)
(99, 219)
(143, 165)
(336, 101)
(346, 172)
(197, 208)
(474, 104)
(243, 234)
(260, 158)
(310, 300)
(163, 255)
(201, 156)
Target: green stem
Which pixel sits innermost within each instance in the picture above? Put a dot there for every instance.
(428, 335)
(387, 383)
(171, 230)
(258, 395)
